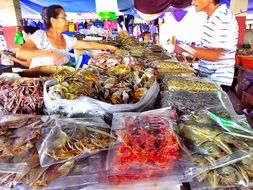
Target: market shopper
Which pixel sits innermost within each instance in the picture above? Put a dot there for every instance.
(218, 43)
(51, 47)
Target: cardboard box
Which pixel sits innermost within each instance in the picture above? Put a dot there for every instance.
(247, 99)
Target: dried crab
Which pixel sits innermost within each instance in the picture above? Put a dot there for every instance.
(81, 140)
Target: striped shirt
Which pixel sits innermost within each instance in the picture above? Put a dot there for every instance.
(220, 31)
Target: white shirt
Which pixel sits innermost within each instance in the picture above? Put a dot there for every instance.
(220, 31)
(41, 41)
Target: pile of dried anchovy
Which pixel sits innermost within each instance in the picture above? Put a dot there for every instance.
(189, 101)
(22, 96)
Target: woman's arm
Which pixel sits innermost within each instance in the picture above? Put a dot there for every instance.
(93, 45)
(29, 50)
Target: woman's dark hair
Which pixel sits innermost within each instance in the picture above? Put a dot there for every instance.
(49, 12)
(30, 29)
(216, 1)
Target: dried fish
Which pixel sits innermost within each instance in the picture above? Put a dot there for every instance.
(23, 96)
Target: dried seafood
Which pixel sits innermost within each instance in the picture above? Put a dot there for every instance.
(124, 39)
(77, 140)
(234, 175)
(210, 139)
(19, 135)
(122, 52)
(114, 85)
(148, 147)
(175, 73)
(25, 96)
(137, 51)
(188, 102)
(169, 65)
(121, 57)
(106, 60)
(190, 85)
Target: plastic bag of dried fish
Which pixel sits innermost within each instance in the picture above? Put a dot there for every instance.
(237, 175)
(194, 84)
(144, 94)
(37, 177)
(85, 173)
(72, 138)
(187, 102)
(214, 139)
(19, 135)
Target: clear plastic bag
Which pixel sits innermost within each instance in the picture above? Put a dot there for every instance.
(193, 84)
(40, 177)
(86, 105)
(19, 135)
(86, 172)
(147, 147)
(214, 139)
(161, 183)
(235, 175)
(187, 102)
(72, 138)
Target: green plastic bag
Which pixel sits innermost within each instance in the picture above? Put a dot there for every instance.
(19, 39)
(105, 15)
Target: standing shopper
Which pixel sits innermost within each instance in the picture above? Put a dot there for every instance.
(51, 47)
(218, 43)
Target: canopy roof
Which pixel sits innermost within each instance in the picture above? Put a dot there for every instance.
(34, 7)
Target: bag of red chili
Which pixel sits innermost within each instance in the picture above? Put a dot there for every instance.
(147, 146)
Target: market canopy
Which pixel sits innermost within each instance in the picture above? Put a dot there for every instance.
(79, 7)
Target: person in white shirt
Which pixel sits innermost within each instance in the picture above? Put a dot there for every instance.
(51, 47)
(169, 46)
(218, 43)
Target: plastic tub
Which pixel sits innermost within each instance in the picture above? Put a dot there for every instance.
(247, 61)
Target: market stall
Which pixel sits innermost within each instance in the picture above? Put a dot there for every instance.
(139, 118)
(135, 118)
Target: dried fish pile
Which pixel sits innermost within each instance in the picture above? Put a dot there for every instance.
(23, 96)
(190, 85)
(116, 85)
(34, 175)
(19, 135)
(138, 51)
(107, 60)
(210, 138)
(170, 65)
(172, 69)
(187, 102)
(74, 141)
(124, 39)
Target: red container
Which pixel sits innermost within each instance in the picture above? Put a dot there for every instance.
(247, 62)
(238, 60)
